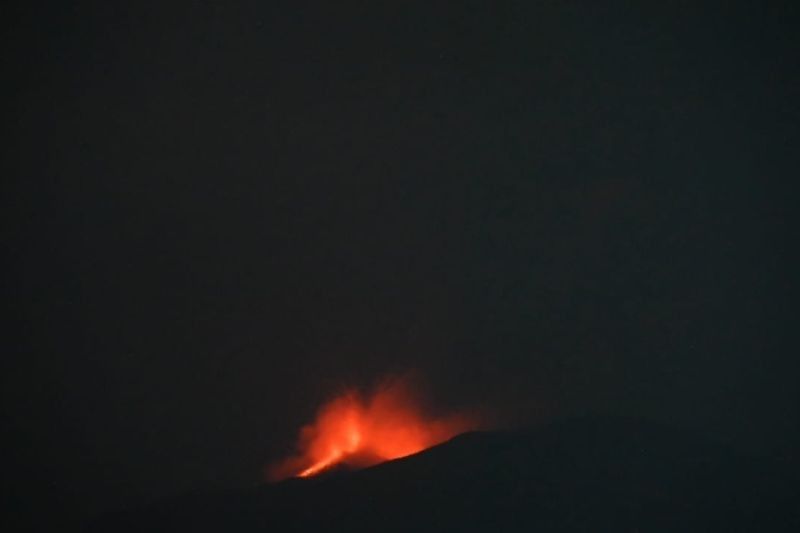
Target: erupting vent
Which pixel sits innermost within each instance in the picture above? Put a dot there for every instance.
(361, 430)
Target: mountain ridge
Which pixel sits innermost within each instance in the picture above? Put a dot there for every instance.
(590, 473)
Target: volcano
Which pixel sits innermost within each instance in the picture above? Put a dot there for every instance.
(588, 474)
(356, 430)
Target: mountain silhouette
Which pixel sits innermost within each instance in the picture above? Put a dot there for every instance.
(587, 474)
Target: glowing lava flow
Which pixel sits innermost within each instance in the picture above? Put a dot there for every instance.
(361, 431)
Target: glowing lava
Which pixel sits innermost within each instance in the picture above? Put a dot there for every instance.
(360, 431)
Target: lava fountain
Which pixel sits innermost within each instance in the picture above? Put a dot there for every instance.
(360, 430)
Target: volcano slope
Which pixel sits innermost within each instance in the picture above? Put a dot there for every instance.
(589, 474)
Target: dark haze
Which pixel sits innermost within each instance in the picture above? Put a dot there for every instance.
(219, 215)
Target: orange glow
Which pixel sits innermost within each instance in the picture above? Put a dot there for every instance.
(361, 430)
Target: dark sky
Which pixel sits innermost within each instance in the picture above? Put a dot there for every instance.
(219, 214)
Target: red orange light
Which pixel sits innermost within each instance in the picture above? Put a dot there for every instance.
(365, 430)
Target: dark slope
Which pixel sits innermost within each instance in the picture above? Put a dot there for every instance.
(581, 475)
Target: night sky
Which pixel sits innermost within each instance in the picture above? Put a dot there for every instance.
(220, 214)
